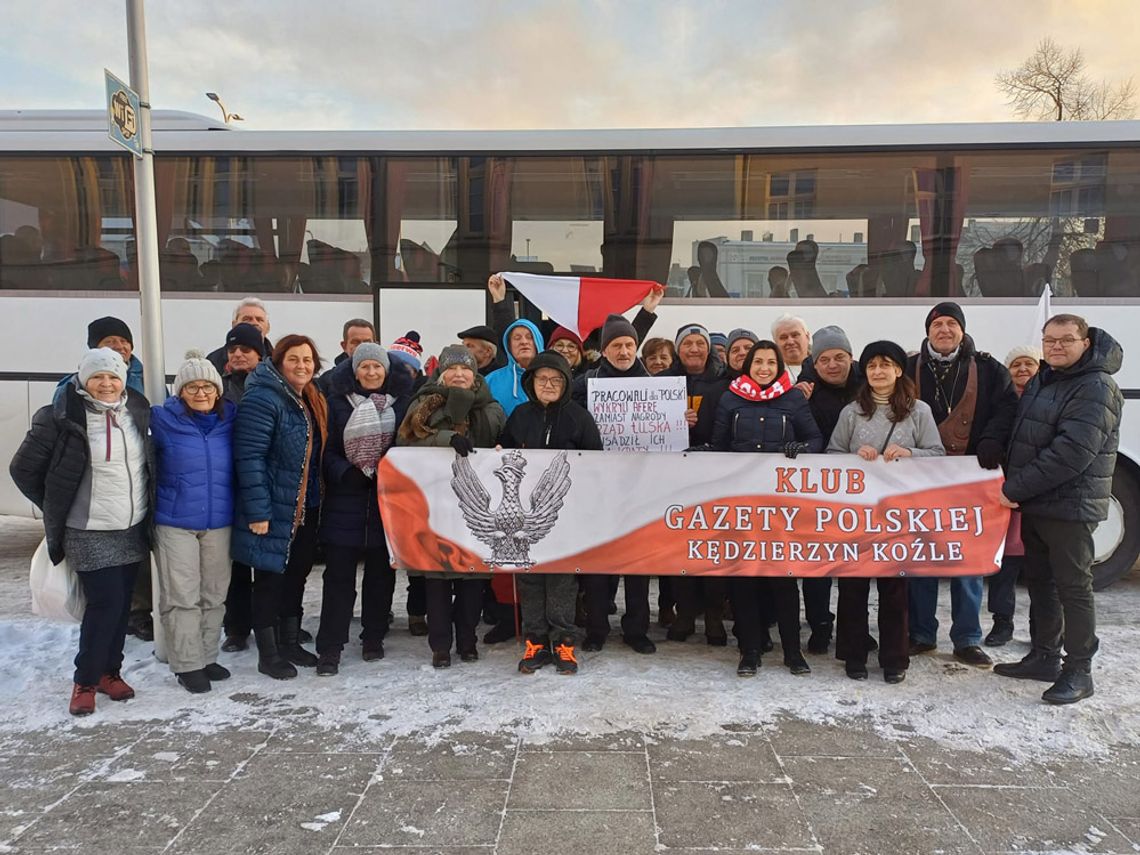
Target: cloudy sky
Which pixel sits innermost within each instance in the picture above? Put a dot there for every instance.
(558, 63)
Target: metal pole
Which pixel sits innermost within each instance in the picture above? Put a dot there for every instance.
(146, 244)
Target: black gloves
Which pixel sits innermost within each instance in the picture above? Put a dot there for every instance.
(358, 480)
(461, 444)
(705, 447)
(791, 449)
(990, 454)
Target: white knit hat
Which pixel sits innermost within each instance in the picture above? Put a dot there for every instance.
(101, 360)
(196, 367)
(1021, 350)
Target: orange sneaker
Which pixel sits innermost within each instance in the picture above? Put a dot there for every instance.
(564, 658)
(82, 700)
(536, 655)
(115, 687)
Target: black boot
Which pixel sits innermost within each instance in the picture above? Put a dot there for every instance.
(795, 662)
(1002, 633)
(1035, 666)
(1074, 684)
(504, 628)
(820, 639)
(269, 660)
(290, 647)
(749, 663)
(195, 682)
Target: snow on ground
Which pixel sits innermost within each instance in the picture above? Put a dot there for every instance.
(688, 690)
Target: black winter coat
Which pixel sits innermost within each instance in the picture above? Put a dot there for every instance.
(997, 399)
(579, 393)
(51, 460)
(1063, 450)
(563, 424)
(827, 401)
(350, 513)
(704, 391)
(743, 425)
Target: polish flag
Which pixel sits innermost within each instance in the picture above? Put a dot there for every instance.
(580, 303)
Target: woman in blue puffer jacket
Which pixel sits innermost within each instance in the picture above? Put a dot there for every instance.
(762, 411)
(193, 515)
(279, 439)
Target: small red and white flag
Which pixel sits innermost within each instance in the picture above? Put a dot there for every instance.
(580, 303)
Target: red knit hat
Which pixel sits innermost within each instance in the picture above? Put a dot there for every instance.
(561, 333)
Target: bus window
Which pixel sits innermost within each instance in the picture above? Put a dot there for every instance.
(64, 222)
(557, 214)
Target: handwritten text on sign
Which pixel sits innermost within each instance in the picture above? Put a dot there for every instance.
(640, 413)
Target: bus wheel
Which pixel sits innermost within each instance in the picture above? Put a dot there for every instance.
(1116, 541)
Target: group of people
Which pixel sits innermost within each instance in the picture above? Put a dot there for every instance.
(259, 461)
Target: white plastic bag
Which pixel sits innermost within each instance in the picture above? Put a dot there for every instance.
(56, 591)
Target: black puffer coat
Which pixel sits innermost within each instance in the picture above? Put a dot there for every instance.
(54, 455)
(350, 513)
(563, 424)
(997, 399)
(1063, 450)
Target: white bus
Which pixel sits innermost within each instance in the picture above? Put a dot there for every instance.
(864, 226)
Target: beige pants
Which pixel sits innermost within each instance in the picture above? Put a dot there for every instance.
(193, 576)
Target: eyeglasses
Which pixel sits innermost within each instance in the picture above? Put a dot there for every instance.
(552, 382)
(201, 389)
(1067, 341)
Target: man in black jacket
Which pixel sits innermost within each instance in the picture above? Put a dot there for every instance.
(830, 378)
(973, 400)
(249, 311)
(704, 382)
(1059, 473)
(619, 340)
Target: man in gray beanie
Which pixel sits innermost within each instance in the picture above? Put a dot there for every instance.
(740, 342)
(831, 381)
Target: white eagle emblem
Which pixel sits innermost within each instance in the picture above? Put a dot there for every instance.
(509, 529)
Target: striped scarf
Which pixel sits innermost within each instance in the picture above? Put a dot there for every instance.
(746, 388)
(369, 431)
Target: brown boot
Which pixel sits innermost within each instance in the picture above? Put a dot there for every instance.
(115, 687)
(82, 700)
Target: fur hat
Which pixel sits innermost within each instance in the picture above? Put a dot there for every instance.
(101, 328)
(947, 310)
(1021, 350)
(99, 360)
(889, 349)
(829, 338)
(456, 354)
(616, 326)
(196, 367)
(370, 350)
(692, 329)
(245, 335)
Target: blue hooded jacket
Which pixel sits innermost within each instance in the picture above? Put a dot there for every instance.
(506, 383)
(194, 480)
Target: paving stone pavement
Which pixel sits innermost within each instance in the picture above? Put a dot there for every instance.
(293, 784)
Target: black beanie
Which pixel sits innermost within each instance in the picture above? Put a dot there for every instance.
(100, 328)
(617, 326)
(947, 310)
(889, 349)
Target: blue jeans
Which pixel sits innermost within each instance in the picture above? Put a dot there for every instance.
(965, 610)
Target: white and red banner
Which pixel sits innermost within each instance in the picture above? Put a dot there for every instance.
(580, 303)
(695, 513)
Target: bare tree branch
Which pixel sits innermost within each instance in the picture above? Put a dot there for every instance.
(1052, 84)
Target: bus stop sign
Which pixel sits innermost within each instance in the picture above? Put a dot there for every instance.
(123, 115)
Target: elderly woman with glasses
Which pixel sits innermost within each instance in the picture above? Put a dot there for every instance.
(194, 509)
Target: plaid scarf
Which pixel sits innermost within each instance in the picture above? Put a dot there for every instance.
(746, 388)
(369, 431)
